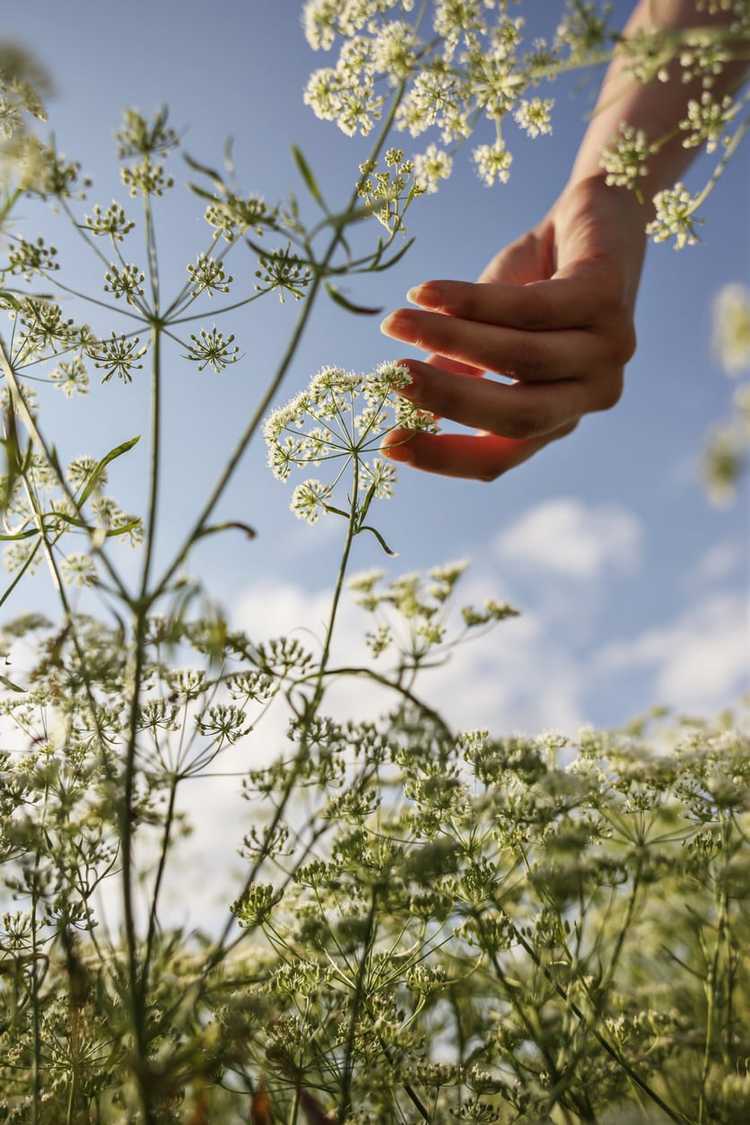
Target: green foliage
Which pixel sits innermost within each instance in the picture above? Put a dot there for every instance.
(431, 925)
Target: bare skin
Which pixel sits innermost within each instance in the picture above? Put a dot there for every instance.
(554, 310)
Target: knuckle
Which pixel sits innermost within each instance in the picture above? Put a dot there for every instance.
(443, 398)
(626, 342)
(529, 361)
(610, 391)
(522, 423)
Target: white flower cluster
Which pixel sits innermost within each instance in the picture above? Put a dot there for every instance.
(493, 163)
(534, 116)
(732, 328)
(341, 418)
(625, 163)
(391, 190)
(706, 120)
(470, 65)
(675, 217)
(432, 166)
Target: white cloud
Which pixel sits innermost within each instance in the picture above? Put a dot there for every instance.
(718, 563)
(699, 662)
(517, 679)
(569, 538)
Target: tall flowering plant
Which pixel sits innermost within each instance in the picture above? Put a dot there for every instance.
(431, 925)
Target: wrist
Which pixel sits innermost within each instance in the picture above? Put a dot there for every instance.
(592, 220)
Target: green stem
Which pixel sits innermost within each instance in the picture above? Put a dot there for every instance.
(157, 886)
(257, 417)
(345, 1104)
(136, 996)
(673, 1115)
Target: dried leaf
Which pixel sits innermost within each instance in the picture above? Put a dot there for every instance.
(314, 1111)
(260, 1107)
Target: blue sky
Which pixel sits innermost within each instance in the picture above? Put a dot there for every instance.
(633, 587)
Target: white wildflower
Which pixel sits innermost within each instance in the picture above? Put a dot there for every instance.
(432, 166)
(493, 163)
(732, 327)
(625, 162)
(309, 500)
(534, 116)
(675, 208)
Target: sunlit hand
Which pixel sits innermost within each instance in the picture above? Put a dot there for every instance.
(554, 311)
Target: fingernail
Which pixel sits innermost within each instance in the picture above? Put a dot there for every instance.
(426, 294)
(403, 456)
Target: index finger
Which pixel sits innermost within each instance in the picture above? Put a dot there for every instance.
(552, 304)
(471, 456)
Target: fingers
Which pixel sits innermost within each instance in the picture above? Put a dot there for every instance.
(550, 304)
(516, 411)
(475, 457)
(445, 363)
(525, 355)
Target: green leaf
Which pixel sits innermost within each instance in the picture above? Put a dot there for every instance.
(307, 175)
(123, 528)
(205, 170)
(360, 310)
(113, 454)
(9, 299)
(202, 193)
(230, 525)
(10, 685)
(336, 511)
(388, 550)
(392, 261)
(19, 535)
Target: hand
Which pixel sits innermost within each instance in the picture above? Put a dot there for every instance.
(554, 311)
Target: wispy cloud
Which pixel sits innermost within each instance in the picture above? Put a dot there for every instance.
(699, 661)
(568, 538)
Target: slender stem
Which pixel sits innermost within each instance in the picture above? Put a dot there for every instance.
(136, 993)
(155, 458)
(673, 1115)
(166, 838)
(281, 370)
(153, 262)
(50, 457)
(346, 1083)
(94, 300)
(219, 312)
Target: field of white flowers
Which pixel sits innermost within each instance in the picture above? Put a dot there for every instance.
(429, 924)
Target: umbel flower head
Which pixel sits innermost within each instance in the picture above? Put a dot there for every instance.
(340, 421)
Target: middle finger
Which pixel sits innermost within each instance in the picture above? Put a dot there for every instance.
(529, 356)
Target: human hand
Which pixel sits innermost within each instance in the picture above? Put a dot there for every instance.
(554, 311)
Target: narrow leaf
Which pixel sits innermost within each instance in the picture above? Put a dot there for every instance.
(230, 525)
(202, 193)
(19, 535)
(10, 685)
(205, 170)
(360, 310)
(307, 175)
(392, 261)
(336, 511)
(393, 554)
(113, 454)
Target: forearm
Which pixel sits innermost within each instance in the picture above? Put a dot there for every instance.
(656, 106)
